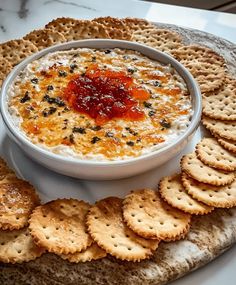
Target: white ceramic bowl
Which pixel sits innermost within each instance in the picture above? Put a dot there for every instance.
(101, 170)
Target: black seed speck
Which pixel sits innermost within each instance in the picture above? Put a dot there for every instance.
(107, 51)
(165, 124)
(46, 112)
(79, 130)
(25, 98)
(50, 88)
(147, 105)
(34, 80)
(62, 73)
(157, 83)
(95, 139)
(130, 143)
(151, 113)
(96, 128)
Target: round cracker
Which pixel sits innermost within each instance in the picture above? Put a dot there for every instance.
(60, 227)
(5, 69)
(211, 153)
(215, 196)
(161, 39)
(203, 173)
(106, 226)
(227, 144)
(17, 201)
(136, 24)
(206, 65)
(115, 27)
(149, 216)
(93, 252)
(45, 38)
(220, 104)
(225, 129)
(17, 246)
(16, 50)
(74, 30)
(173, 192)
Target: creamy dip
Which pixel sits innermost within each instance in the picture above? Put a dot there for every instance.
(146, 106)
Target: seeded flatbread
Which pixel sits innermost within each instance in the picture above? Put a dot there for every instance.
(74, 30)
(45, 38)
(206, 66)
(227, 144)
(215, 196)
(5, 69)
(211, 153)
(115, 27)
(17, 200)
(161, 39)
(16, 50)
(173, 192)
(203, 173)
(106, 226)
(149, 216)
(225, 129)
(220, 104)
(17, 246)
(59, 226)
(93, 252)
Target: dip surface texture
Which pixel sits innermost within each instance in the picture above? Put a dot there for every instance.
(99, 104)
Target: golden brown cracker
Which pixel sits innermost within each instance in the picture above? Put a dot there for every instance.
(4, 169)
(5, 69)
(215, 196)
(17, 201)
(149, 216)
(16, 50)
(17, 246)
(78, 29)
(227, 144)
(136, 24)
(60, 227)
(224, 129)
(115, 27)
(106, 226)
(93, 252)
(220, 104)
(203, 173)
(207, 66)
(173, 192)
(161, 39)
(211, 153)
(45, 38)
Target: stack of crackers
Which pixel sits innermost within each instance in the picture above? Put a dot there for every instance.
(130, 228)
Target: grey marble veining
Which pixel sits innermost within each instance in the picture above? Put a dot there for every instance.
(73, 4)
(18, 17)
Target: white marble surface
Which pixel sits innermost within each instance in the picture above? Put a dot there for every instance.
(17, 17)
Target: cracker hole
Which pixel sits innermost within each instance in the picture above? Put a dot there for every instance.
(132, 215)
(139, 220)
(115, 245)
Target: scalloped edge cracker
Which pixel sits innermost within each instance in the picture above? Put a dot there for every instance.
(151, 217)
(173, 192)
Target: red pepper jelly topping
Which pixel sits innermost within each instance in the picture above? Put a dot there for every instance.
(106, 94)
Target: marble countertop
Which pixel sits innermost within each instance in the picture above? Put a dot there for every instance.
(18, 17)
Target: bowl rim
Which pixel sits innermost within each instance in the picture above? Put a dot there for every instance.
(189, 80)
